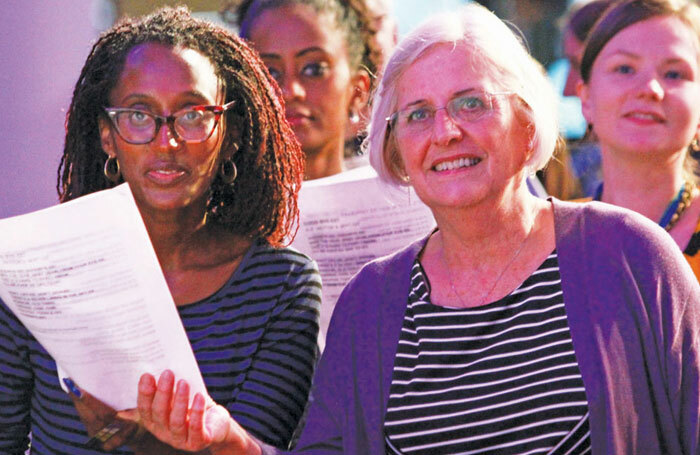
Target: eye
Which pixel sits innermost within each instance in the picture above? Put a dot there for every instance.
(139, 118)
(674, 74)
(418, 114)
(469, 103)
(276, 74)
(623, 69)
(314, 69)
(191, 116)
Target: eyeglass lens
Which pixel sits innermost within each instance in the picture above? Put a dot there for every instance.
(464, 108)
(192, 125)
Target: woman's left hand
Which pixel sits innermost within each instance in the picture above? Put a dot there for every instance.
(165, 410)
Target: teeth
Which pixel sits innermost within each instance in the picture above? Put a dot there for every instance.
(644, 116)
(456, 164)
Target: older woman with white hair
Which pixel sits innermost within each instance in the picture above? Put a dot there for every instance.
(519, 325)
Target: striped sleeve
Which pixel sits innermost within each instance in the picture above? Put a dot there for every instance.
(15, 385)
(272, 398)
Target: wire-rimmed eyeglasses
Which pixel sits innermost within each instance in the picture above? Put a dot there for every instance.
(467, 107)
(193, 125)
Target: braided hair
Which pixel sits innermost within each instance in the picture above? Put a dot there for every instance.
(353, 18)
(263, 200)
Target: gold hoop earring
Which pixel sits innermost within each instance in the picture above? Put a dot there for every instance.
(695, 145)
(112, 170)
(228, 171)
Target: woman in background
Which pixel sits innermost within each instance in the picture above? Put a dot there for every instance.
(322, 54)
(509, 329)
(641, 94)
(579, 22)
(584, 152)
(185, 113)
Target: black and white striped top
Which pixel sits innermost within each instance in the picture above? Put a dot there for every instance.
(254, 341)
(500, 378)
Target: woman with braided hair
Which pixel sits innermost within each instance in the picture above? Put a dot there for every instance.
(322, 54)
(185, 113)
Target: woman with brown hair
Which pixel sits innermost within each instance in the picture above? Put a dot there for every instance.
(641, 94)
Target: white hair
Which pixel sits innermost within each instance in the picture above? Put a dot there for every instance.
(503, 55)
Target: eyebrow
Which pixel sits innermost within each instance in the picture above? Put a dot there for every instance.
(625, 54)
(148, 97)
(671, 60)
(301, 53)
(454, 95)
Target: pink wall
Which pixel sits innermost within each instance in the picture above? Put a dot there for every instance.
(42, 48)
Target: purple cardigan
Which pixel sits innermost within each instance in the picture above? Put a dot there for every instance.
(633, 306)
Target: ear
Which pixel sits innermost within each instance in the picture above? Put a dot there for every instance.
(360, 83)
(106, 138)
(229, 142)
(582, 91)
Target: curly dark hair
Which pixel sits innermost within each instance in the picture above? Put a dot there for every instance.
(263, 200)
(353, 18)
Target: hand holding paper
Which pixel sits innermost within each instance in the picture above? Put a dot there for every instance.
(84, 279)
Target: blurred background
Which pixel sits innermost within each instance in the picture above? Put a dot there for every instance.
(43, 44)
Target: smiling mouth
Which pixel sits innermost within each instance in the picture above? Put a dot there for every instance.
(456, 164)
(648, 117)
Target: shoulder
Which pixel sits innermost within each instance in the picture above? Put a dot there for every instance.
(387, 268)
(596, 221)
(379, 283)
(263, 258)
(10, 323)
(607, 245)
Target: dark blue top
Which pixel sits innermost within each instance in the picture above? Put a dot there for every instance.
(254, 341)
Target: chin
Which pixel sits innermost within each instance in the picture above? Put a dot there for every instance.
(453, 199)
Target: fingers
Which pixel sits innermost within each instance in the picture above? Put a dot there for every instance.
(165, 411)
(178, 414)
(144, 401)
(199, 436)
(160, 408)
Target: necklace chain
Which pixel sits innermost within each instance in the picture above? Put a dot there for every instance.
(682, 202)
(674, 209)
(498, 278)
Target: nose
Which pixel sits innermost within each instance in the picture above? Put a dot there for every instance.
(445, 129)
(651, 87)
(166, 137)
(292, 88)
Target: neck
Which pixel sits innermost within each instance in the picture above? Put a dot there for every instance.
(324, 162)
(481, 231)
(645, 186)
(173, 233)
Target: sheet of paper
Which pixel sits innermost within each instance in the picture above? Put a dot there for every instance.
(84, 279)
(346, 222)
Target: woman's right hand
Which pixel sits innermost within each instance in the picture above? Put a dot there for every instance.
(165, 412)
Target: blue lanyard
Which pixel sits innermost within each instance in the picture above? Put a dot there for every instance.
(670, 208)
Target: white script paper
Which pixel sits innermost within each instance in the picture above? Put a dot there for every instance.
(351, 218)
(84, 279)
